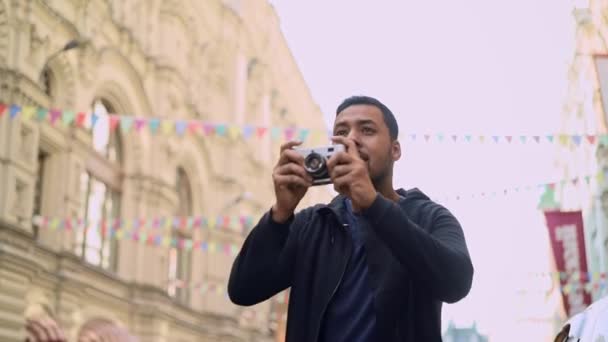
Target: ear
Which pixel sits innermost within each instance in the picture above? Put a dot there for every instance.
(396, 150)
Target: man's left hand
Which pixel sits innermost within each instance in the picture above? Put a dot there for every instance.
(350, 175)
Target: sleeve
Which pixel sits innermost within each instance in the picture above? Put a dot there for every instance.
(265, 262)
(438, 259)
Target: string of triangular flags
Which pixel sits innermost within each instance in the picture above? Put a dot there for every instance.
(141, 236)
(190, 223)
(153, 231)
(548, 188)
(215, 288)
(169, 126)
(588, 287)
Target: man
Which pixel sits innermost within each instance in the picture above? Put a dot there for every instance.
(373, 265)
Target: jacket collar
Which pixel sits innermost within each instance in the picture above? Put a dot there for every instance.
(336, 206)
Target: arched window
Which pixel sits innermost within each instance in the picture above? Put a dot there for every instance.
(100, 195)
(48, 81)
(180, 259)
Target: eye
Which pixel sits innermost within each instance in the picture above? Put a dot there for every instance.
(341, 132)
(367, 130)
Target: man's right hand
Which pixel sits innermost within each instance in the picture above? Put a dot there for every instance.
(291, 181)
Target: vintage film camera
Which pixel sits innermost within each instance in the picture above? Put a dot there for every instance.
(315, 161)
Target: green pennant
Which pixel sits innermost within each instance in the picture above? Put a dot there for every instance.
(41, 114)
(125, 123)
(604, 139)
(547, 199)
(68, 117)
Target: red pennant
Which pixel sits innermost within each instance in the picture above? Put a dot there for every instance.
(552, 186)
(509, 138)
(114, 120)
(193, 127)
(68, 224)
(591, 139)
(103, 228)
(2, 109)
(289, 132)
(80, 117)
(261, 131)
(226, 222)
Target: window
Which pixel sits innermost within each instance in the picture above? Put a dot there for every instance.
(180, 260)
(103, 142)
(47, 79)
(38, 192)
(100, 196)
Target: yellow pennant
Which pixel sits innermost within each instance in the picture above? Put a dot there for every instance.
(167, 126)
(27, 112)
(211, 222)
(234, 131)
(119, 234)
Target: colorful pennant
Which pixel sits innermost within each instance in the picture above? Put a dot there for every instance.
(130, 123)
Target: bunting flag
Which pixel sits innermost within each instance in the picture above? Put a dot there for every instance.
(137, 124)
(228, 223)
(547, 199)
(153, 231)
(216, 288)
(158, 239)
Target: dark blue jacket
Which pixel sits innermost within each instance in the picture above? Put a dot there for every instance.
(416, 253)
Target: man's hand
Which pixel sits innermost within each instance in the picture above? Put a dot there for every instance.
(291, 181)
(44, 330)
(350, 175)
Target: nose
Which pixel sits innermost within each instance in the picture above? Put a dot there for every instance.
(354, 135)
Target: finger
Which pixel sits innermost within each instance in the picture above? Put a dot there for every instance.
(291, 156)
(340, 170)
(37, 330)
(289, 145)
(341, 186)
(343, 183)
(339, 158)
(291, 180)
(351, 147)
(51, 329)
(293, 169)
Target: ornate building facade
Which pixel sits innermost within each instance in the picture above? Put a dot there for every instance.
(214, 61)
(585, 113)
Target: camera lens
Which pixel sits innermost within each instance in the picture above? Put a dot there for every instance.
(314, 162)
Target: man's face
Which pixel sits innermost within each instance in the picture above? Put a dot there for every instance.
(365, 125)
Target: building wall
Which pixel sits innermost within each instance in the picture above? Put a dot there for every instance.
(584, 113)
(216, 61)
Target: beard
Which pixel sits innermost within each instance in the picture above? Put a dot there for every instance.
(380, 177)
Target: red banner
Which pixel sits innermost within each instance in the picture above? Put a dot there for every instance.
(568, 242)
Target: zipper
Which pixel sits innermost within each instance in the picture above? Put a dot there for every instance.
(333, 292)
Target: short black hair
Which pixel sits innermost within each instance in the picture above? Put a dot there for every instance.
(389, 118)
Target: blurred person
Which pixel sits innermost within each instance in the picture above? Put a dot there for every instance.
(373, 265)
(43, 329)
